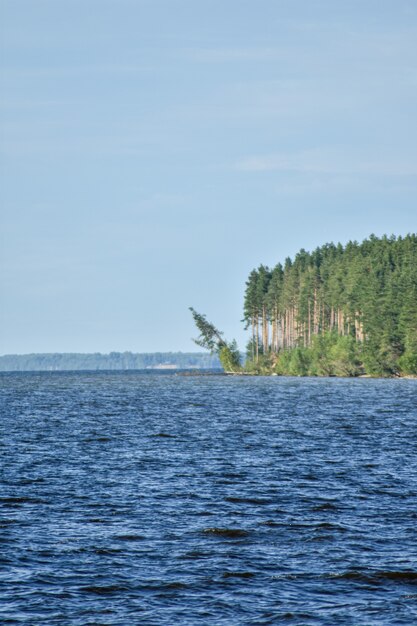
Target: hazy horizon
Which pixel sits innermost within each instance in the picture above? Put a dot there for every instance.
(193, 352)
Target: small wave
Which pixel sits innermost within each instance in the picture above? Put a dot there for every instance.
(326, 506)
(99, 439)
(238, 575)
(233, 475)
(402, 576)
(319, 538)
(6, 561)
(103, 589)
(408, 576)
(12, 501)
(291, 616)
(128, 537)
(328, 526)
(175, 585)
(227, 533)
(29, 481)
(4, 523)
(256, 501)
(164, 435)
(106, 551)
(195, 554)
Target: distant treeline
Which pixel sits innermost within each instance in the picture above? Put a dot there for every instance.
(112, 361)
(339, 310)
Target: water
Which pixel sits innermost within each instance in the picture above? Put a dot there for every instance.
(159, 499)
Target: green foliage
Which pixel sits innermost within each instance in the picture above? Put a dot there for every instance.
(344, 353)
(329, 355)
(211, 339)
(229, 356)
(263, 366)
(407, 363)
(337, 311)
(321, 361)
(294, 362)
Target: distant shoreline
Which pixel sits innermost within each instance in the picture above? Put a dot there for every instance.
(275, 375)
(113, 361)
(201, 372)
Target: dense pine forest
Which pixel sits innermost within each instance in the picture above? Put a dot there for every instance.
(339, 310)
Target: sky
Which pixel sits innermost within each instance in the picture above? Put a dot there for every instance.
(154, 152)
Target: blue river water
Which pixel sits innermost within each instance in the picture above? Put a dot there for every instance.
(162, 499)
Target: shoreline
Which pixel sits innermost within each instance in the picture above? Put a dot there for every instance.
(361, 376)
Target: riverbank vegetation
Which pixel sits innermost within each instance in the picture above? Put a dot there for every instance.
(339, 310)
(212, 339)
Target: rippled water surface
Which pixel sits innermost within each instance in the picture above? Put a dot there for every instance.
(145, 498)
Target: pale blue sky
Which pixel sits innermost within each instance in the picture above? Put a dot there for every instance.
(154, 151)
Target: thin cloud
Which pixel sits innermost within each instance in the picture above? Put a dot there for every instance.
(221, 55)
(74, 70)
(320, 162)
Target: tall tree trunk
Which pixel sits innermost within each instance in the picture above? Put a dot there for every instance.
(265, 333)
(315, 314)
(274, 332)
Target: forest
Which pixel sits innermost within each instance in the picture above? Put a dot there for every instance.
(337, 311)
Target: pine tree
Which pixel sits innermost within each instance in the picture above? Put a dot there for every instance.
(211, 339)
(344, 309)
